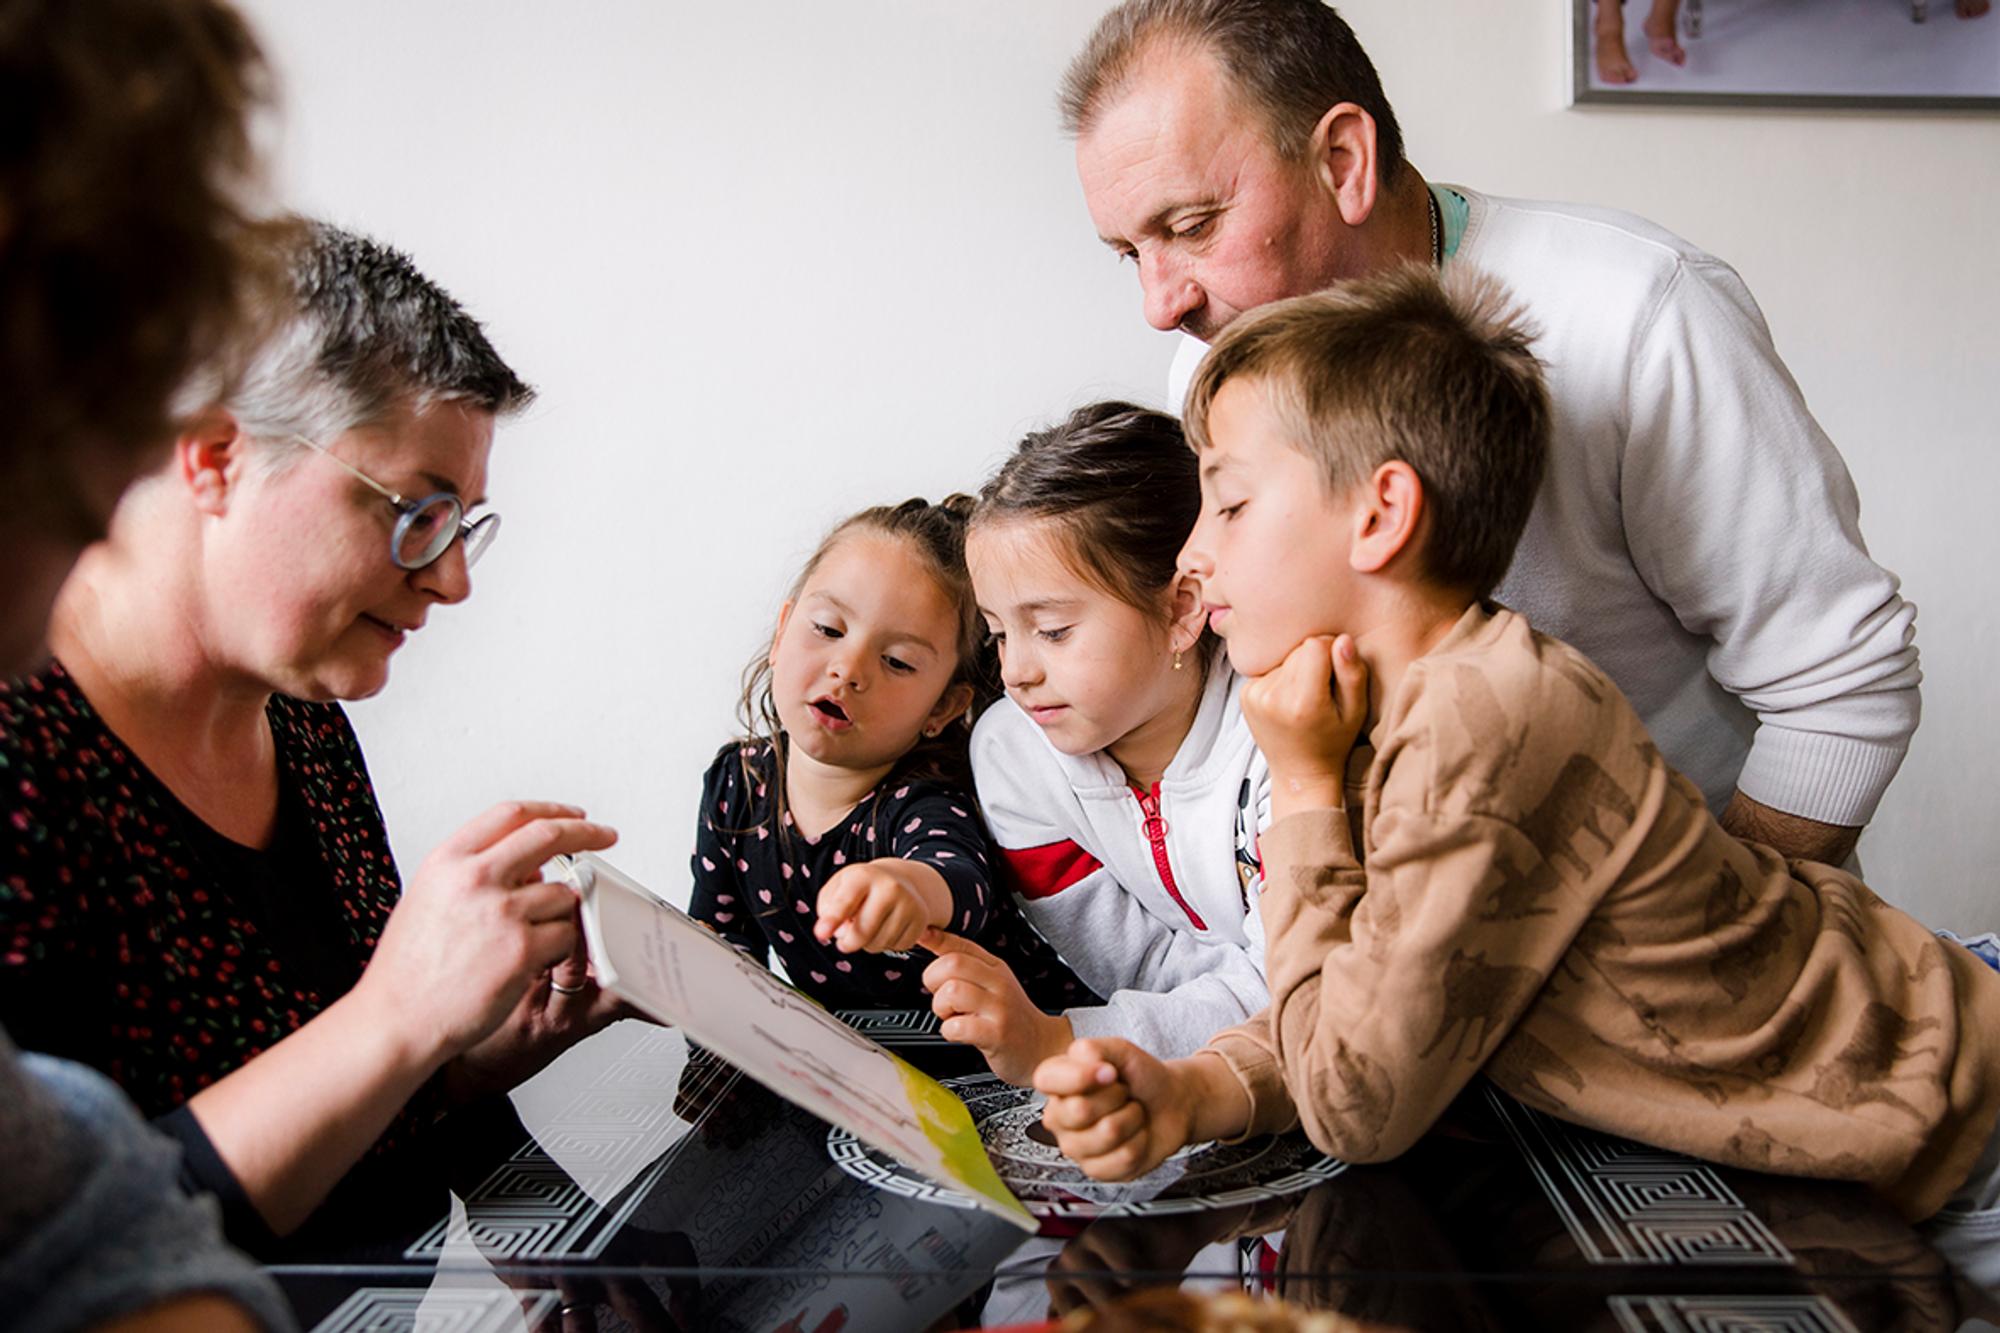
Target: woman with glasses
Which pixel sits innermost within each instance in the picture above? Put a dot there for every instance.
(203, 901)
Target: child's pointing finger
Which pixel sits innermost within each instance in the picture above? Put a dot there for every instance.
(837, 902)
(944, 943)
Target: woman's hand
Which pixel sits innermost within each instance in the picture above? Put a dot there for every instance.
(478, 928)
(982, 1004)
(560, 1009)
(1306, 713)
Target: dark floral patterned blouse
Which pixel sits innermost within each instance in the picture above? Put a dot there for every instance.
(137, 939)
(757, 885)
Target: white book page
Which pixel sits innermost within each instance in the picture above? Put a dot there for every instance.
(677, 971)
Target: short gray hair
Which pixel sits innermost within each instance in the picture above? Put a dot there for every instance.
(1294, 60)
(365, 334)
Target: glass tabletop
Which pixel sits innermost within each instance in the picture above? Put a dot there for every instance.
(638, 1184)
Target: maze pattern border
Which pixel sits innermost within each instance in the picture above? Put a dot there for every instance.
(1626, 1203)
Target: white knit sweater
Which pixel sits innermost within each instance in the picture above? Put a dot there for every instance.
(1697, 534)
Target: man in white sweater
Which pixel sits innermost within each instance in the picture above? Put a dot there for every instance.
(1697, 534)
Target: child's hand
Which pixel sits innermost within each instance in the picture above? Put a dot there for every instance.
(1306, 714)
(873, 907)
(982, 1004)
(1115, 1110)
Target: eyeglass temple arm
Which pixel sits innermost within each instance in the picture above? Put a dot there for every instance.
(360, 476)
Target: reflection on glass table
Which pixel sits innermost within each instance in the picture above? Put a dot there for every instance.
(636, 1184)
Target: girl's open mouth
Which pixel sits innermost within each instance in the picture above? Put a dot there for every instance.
(831, 713)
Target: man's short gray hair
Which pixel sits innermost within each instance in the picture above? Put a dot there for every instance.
(365, 335)
(1294, 60)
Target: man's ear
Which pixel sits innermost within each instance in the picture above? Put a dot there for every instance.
(1389, 517)
(949, 705)
(1342, 152)
(209, 458)
(1186, 612)
(784, 615)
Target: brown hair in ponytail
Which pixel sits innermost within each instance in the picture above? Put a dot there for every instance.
(937, 533)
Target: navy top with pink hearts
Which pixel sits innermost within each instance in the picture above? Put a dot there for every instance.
(757, 881)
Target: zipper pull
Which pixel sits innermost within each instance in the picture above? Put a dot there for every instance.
(1149, 805)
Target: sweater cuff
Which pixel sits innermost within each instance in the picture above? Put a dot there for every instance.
(1316, 845)
(1256, 1069)
(1814, 775)
(204, 1172)
(1090, 1022)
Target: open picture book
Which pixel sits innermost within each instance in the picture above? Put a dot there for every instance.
(674, 970)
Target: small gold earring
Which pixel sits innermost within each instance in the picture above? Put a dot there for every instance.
(1177, 659)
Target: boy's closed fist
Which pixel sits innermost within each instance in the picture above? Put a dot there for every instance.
(1116, 1110)
(1306, 713)
(871, 907)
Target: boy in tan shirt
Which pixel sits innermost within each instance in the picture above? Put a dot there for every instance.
(1478, 861)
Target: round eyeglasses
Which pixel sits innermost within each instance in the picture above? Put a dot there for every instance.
(426, 528)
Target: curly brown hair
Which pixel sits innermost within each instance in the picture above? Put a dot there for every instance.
(937, 533)
(128, 248)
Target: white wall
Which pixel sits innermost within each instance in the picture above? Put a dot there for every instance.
(771, 263)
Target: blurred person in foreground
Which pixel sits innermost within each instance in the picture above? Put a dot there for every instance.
(125, 244)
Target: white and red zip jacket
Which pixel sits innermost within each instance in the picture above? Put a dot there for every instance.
(1149, 896)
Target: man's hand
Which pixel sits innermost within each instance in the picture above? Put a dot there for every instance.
(881, 906)
(982, 1004)
(1115, 1110)
(1306, 714)
(1793, 836)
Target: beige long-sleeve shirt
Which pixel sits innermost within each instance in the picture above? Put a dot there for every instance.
(1540, 897)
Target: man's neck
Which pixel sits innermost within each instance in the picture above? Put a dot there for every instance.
(1396, 232)
(1411, 239)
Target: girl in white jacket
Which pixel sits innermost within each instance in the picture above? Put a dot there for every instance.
(1117, 776)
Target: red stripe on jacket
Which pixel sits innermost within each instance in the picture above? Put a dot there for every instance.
(1043, 872)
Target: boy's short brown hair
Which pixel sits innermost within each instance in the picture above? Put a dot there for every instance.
(1405, 365)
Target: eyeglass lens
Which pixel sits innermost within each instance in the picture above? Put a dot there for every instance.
(479, 536)
(423, 532)
(426, 532)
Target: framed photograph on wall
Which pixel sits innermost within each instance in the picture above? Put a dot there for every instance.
(1934, 54)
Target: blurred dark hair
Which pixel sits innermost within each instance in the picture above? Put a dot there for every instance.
(128, 251)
